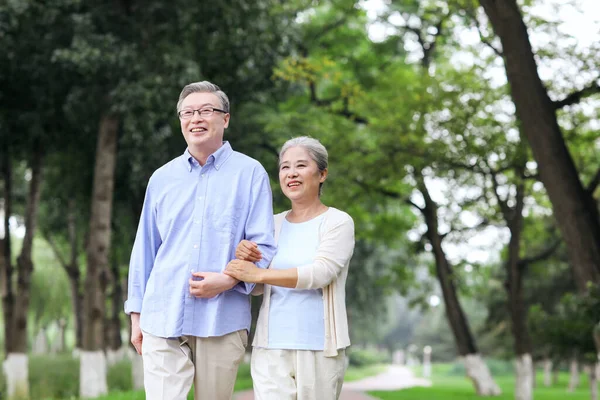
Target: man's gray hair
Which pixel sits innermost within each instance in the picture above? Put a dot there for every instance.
(315, 149)
(204, 87)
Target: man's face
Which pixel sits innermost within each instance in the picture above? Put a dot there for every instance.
(203, 132)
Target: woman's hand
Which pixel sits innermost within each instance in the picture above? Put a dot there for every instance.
(244, 271)
(248, 251)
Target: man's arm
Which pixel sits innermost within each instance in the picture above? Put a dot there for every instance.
(259, 226)
(143, 254)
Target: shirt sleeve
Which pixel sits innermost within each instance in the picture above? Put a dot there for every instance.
(259, 225)
(143, 254)
(333, 255)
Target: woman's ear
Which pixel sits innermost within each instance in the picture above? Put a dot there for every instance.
(323, 175)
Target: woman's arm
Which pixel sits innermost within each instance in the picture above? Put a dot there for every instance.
(334, 251)
(333, 254)
(248, 272)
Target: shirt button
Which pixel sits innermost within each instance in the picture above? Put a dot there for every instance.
(196, 221)
(195, 246)
(200, 198)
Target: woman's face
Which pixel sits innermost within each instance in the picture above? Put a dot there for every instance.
(299, 176)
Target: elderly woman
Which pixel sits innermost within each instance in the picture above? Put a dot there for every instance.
(302, 327)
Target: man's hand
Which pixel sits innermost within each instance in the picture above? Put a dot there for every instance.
(211, 284)
(136, 333)
(248, 251)
(245, 271)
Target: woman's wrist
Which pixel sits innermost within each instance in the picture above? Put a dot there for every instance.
(261, 275)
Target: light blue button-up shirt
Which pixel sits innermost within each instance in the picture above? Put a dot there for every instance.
(192, 220)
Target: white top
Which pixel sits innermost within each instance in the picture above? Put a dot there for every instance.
(328, 271)
(296, 316)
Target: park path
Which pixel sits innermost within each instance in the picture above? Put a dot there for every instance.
(395, 377)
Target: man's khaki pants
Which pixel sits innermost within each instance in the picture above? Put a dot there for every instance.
(171, 366)
(297, 374)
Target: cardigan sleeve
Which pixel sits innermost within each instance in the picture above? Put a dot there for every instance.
(333, 254)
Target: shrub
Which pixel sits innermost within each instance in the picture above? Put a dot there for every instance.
(57, 377)
(361, 358)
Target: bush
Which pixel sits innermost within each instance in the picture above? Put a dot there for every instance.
(57, 377)
(53, 376)
(361, 358)
(119, 377)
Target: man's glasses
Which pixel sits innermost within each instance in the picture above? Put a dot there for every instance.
(204, 112)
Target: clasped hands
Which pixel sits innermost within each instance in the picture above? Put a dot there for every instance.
(243, 267)
(211, 284)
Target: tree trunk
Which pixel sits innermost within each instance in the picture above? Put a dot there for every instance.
(514, 286)
(524, 377)
(476, 369)
(115, 341)
(16, 312)
(74, 275)
(15, 369)
(555, 376)
(93, 361)
(73, 270)
(573, 375)
(24, 261)
(573, 207)
(593, 382)
(547, 372)
(114, 344)
(6, 266)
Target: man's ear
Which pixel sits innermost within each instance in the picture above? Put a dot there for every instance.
(226, 123)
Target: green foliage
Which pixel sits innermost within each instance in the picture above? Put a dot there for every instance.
(569, 331)
(119, 376)
(53, 377)
(363, 357)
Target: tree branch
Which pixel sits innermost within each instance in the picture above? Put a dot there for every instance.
(481, 225)
(378, 189)
(485, 40)
(353, 117)
(577, 96)
(56, 252)
(504, 207)
(346, 113)
(542, 255)
(411, 203)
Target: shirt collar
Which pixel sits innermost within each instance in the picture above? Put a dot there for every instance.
(218, 158)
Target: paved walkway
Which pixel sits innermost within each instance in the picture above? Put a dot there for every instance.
(396, 377)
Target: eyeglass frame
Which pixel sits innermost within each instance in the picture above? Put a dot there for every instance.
(199, 110)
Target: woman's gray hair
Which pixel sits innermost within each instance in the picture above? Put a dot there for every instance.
(204, 87)
(315, 149)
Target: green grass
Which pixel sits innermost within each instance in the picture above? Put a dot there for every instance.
(244, 381)
(446, 385)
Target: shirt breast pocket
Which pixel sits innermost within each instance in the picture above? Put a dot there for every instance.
(227, 225)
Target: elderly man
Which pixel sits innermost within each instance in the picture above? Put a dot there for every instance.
(190, 321)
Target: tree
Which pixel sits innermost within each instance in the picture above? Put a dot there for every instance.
(575, 209)
(389, 147)
(25, 109)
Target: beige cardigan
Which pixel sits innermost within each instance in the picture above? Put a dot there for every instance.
(328, 271)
